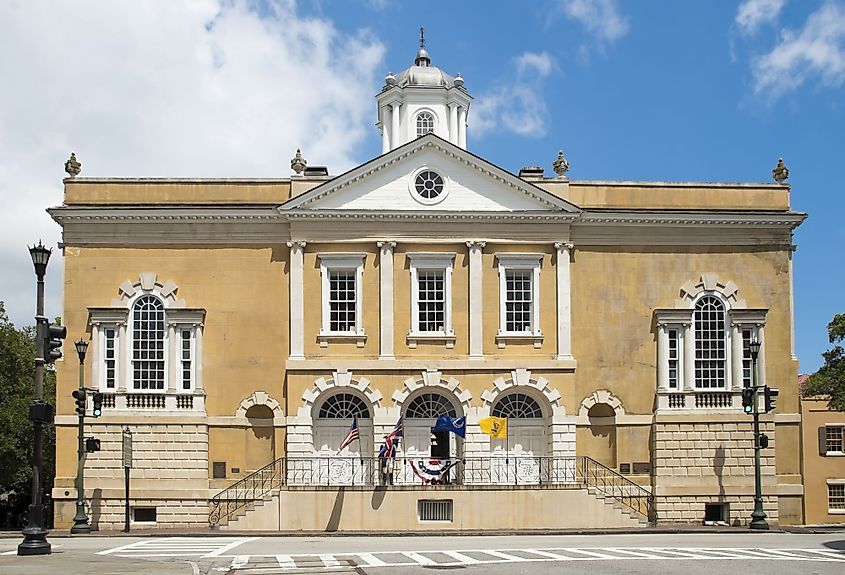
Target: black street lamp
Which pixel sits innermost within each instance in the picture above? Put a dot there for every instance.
(34, 535)
(758, 516)
(80, 520)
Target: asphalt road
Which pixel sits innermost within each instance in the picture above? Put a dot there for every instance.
(687, 554)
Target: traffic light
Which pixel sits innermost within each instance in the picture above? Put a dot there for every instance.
(53, 342)
(764, 441)
(79, 396)
(97, 400)
(92, 444)
(748, 400)
(770, 394)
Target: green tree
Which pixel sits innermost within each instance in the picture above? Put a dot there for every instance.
(829, 380)
(17, 381)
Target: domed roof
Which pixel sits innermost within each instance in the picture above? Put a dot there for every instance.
(422, 73)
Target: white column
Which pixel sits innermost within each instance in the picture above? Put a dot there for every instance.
(395, 139)
(462, 127)
(297, 312)
(736, 356)
(662, 358)
(386, 299)
(761, 360)
(385, 133)
(98, 358)
(564, 310)
(174, 353)
(124, 369)
(476, 333)
(791, 307)
(197, 359)
(453, 123)
(689, 358)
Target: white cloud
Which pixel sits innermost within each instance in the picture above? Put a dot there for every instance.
(817, 50)
(517, 105)
(600, 17)
(188, 88)
(752, 13)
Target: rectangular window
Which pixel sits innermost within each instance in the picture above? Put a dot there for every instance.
(144, 514)
(673, 359)
(746, 358)
(834, 438)
(109, 358)
(710, 344)
(342, 301)
(836, 496)
(518, 301)
(431, 301)
(187, 357)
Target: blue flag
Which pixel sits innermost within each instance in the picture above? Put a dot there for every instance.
(454, 425)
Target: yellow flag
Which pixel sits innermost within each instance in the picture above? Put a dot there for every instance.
(496, 427)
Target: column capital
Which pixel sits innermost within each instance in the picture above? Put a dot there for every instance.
(296, 244)
(387, 245)
(564, 246)
(476, 244)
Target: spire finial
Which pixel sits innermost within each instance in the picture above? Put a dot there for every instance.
(422, 37)
(422, 58)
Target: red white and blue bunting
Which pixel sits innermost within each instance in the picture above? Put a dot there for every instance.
(432, 470)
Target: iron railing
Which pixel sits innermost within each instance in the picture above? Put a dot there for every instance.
(578, 471)
(618, 487)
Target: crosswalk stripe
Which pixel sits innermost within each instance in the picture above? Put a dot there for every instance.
(285, 561)
(783, 553)
(548, 554)
(421, 559)
(595, 554)
(501, 555)
(371, 560)
(329, 560)
(461, 557)
(684, 554)
(240, 561)
(833, 554)
(634, 553)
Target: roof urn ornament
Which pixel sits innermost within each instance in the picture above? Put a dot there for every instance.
(390, 79)
(560, 165)
(72, 166)
(298, 163)
(780, 172)
(459, 81)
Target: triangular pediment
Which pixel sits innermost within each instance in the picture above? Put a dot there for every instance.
(466, 184)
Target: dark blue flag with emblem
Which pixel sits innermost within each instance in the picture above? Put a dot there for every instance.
(453, 425)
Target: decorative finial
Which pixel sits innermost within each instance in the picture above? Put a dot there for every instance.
(422, 37)
(298, 163)
(561, 165)
(459, 81)
(780, 172)
(390, 79)
(72, 167)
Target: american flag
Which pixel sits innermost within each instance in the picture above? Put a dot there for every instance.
(391, 440)
(351, 436)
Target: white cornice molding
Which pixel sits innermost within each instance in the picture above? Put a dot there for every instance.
(685, 218)
(102, 213)
(370, 215)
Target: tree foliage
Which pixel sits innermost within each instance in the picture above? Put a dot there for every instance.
(17, 382)
(829, 380)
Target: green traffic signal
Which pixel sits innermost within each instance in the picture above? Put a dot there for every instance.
(97, 408)
(748, 400)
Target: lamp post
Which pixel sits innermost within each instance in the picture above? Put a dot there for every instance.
(34, 535)
(80, 520)
(758, 516)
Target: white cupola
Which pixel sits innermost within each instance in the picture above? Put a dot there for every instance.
(420, 100)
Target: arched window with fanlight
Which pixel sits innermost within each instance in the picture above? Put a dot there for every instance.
(419, 417)
(711, 356)
(425, 123)
(526, 428)
(148, 357)
(333, 419)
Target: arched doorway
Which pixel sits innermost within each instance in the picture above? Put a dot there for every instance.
(333, 417)
(526, 442)
(420, 415)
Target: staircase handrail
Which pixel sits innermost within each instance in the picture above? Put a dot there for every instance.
(616, 486)
(244, 491)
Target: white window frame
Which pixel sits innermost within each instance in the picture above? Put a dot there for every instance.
(834, 510)
(727, 369)
(841, 450)
(417, 122)
(520, 262)
(102, 343)
(129, 373)
(342, 262)
(192, 358)
(431, 261)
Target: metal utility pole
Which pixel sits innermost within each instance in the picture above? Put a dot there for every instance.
(80, 520)
(758, 516)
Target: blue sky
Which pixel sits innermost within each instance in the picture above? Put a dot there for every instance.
(645, 90)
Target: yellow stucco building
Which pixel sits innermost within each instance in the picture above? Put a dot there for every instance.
(239, 327)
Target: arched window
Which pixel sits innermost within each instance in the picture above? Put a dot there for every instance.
(148, 343)
(425, 123)
(517, 406)
(710, 344)
(343, 406)
(429, 406)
